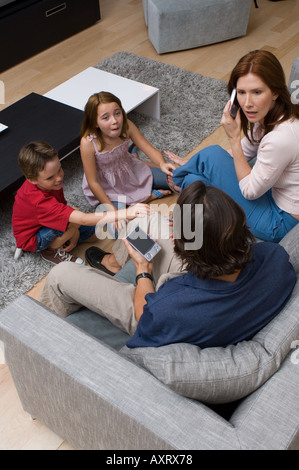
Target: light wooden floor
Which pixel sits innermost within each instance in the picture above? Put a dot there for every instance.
(274, 26)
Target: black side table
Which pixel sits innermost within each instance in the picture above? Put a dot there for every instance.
(35, 117)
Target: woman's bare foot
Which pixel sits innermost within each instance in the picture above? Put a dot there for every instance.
(172, 185)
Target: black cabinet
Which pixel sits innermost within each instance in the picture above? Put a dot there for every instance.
(35, 117)
(41, 24)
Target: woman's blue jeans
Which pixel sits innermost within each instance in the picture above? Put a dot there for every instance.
(215, 167)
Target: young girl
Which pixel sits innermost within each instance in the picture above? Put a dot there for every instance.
(112, 175)
(268, 192)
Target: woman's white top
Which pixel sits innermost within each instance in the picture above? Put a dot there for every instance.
(276, 166)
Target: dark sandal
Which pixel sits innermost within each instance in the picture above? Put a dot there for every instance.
(94, 256)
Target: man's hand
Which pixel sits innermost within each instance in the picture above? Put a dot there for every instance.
(142, 265)
(144, 285)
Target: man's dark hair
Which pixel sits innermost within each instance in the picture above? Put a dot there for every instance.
(227, 240)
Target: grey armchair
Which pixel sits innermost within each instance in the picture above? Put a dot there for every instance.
(79, 379)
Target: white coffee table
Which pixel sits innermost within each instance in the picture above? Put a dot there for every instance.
(134, 95)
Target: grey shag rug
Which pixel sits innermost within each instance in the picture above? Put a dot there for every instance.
(191, 109)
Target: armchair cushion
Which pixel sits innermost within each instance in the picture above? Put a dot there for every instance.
(222, 375)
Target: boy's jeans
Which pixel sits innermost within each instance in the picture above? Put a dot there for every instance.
(46, 235)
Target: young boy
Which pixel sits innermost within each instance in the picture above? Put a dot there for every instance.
(42, 221)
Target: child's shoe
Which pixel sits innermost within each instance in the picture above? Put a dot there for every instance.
(58, 256)
(18, 253)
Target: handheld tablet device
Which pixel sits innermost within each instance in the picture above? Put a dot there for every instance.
(143, 243)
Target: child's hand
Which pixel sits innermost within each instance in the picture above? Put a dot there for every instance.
(139, 210)
(72, 242)
(119, 225)
(167, 167)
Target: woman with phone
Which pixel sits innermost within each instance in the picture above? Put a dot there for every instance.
(268, 191)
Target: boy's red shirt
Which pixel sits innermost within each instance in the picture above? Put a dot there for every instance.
(35, 208)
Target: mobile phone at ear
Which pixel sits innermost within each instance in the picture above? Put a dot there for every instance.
(143, 243)
(234, 104)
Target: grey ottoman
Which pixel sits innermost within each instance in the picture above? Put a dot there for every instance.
(175, 25)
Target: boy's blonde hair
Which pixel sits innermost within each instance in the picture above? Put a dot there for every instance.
(33, 158)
